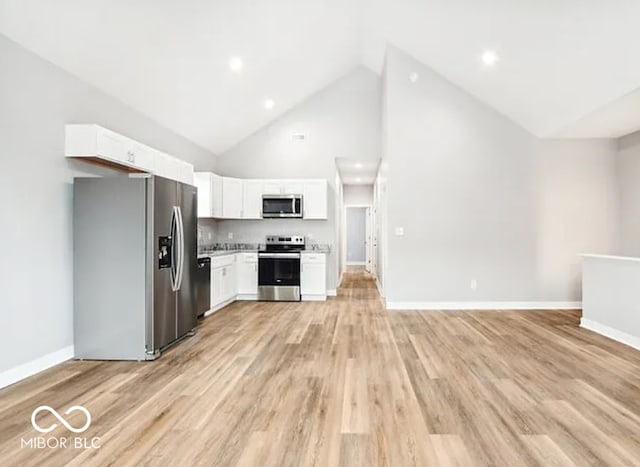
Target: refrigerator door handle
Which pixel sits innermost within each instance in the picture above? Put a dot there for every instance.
(181, 248)
(175, 235)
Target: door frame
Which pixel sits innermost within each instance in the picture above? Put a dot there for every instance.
(368, 234)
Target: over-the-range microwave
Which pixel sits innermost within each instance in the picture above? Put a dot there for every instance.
(281, 206)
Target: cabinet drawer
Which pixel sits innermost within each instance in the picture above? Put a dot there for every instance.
(312, 258)
(222, 261)
(248, 257)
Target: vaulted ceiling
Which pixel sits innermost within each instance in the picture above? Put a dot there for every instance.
(566, 68)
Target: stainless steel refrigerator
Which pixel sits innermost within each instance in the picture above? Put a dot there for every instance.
(135, 258)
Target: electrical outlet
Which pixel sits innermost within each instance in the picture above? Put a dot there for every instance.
(230, 235)
(399, 231)
(474, 284)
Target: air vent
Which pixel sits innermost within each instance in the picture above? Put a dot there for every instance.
(298, 136)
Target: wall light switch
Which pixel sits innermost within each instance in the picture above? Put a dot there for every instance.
(474, 284)
(230, 235)
(210, 236)
(399, 231)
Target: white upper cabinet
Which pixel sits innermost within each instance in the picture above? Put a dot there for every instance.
(283, 187)
(216, 195)
(314, 201)
(292, 188)
(145, 157)
(105, 147)
(252, 199)
(209, 194)
(231, 198)
(272, 188)
(202, 181)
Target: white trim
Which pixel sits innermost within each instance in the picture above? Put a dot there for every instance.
(332, 293)
(247, 297)
(379, 287)
(356, 263)
(611, 333)
(484, 305)
(219, 306)
(25, 370)
(314, 298)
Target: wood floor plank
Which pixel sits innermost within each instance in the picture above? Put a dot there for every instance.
(344, 382)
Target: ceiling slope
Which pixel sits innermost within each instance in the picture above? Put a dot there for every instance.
(559, 61)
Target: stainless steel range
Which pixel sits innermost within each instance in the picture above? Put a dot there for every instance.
(279, 268)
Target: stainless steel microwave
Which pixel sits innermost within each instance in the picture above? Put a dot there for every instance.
(281, 206)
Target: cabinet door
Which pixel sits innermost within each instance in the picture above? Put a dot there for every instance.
(272, 188)
(167, 166)
(114, 146)
(312, 279)
(229, 282)
(143, 157)
(217, 286)
(216, 195)
(293, 188)
(315, 200)
(252, 199)
(186, 172)
(202, 181)
(231, 198)
(247, 277)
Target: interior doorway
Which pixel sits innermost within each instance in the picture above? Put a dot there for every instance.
(358, 237)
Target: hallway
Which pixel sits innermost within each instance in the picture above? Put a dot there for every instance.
(345, 382)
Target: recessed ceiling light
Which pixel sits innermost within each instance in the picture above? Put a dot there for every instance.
(358, 165)
(413, 77)
(490, 57)
(236, 65)
(269, 104)
(358, 179)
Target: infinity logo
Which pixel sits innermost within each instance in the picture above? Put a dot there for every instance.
(60, 419)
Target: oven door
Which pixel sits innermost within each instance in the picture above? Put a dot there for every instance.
(281, 206)
(279, 276)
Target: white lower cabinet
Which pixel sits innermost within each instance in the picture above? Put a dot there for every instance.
(247, 272)
(313, 276)
(223, 280)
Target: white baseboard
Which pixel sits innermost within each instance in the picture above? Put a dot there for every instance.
(484, 305)
(611, 333)
(379, 287)
(314, 298)
(332, 293)
(35, 366)
(219, 306)
(247, 297)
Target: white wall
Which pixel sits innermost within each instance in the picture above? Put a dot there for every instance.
(628, 171)
(36, 100)
(358, 195)
(577, 211)
(356, 235)
(343, 120)
(474, 194)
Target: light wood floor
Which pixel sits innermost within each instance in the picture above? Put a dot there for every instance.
(345, 383)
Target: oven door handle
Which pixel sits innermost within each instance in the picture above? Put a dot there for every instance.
(279, 255)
